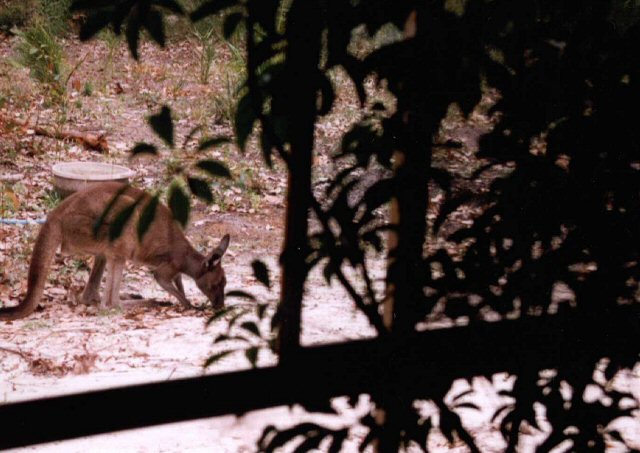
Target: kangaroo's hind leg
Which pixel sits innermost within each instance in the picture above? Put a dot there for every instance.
(91, 293)
(111, 296)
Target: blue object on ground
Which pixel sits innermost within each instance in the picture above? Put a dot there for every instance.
(21, 221)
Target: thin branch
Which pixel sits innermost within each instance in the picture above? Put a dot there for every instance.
(369, 309)
(23, 355)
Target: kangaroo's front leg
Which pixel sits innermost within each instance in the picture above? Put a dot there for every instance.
(111, 297)
(91, 293)
(168, 285)
(178, 282)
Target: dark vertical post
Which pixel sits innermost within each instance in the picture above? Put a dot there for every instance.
(303, 38)
(408, 213)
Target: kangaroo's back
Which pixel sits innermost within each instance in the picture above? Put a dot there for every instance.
(85, 224)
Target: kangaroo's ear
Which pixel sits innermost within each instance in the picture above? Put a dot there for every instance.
(216, 255)
(222, 246)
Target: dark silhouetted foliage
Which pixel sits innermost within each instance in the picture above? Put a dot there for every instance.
(562, 164)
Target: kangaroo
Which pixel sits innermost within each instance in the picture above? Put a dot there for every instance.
(75, 225)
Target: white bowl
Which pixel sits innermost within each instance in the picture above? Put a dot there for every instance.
(69, 177)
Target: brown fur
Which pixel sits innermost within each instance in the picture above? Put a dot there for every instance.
(163, 248)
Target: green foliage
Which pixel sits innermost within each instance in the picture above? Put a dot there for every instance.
(313, 434)
(135, 19)
(261, 272)
(224, 105)
(51, 199)
(8, 200)
(146, 216)
(179, 204)
(562, 205)
(207, 33)
(87, 89)
(244, 333)
(162, 125)
(113, 42)
(55, 14)
(38, 50)
(15, 13)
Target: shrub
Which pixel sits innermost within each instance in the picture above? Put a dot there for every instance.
(55, 14)
(52, 14)
(15, 13)
(38, 50)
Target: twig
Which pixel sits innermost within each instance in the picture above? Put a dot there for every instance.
(16, 352)
(77, 65)
(370, 309)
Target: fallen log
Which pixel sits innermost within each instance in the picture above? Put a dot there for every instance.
(91, 140)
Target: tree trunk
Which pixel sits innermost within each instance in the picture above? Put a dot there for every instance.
(408, 212)
(304, 37)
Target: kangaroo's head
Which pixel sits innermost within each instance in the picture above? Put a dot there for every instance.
(212, 279)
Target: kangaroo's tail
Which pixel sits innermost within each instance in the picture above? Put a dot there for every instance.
(49, 237)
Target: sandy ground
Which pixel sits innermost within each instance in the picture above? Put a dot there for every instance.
(64, 349)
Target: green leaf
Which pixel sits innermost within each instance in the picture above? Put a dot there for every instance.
(462, 395)
(267, 146)
(211, 7)
(172, 6)
(261, 309)
(276, 319)
(211, 142)
(219, 314)
(252, 355)
(162, 125)
(379, 193)
(94, 23)
(329, 271)
(200, 189)
(467, 406)
(240, 294)
(216, 358)
(338, 439)
(222, 337)
(133, 34)
(83, 5)
(147, 216)
(261, 273)
(244, 120)
(235, 318)
(327, 96)
(100, 222)
(251, 327)
(120, 13)
(214, 168)
(179, 205)
(144, 148)
(122, 218)
(154, 25)
(231, 24)
(312, 440)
